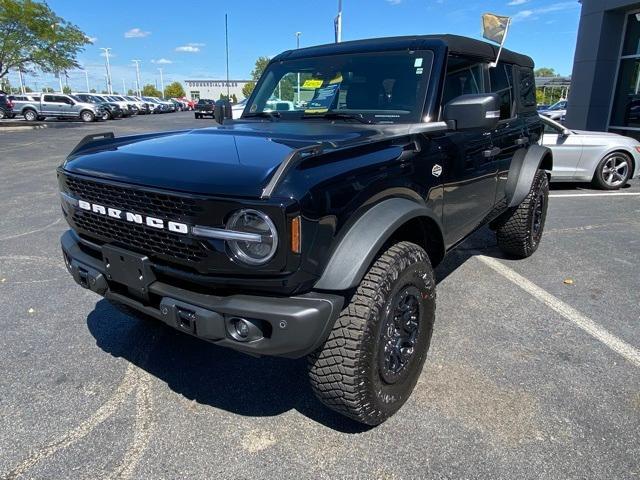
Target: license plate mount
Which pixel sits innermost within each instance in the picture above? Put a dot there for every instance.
(128, 268)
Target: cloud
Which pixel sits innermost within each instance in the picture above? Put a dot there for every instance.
(513, 3)
(190, 47)
(136, 33)
(92, 39)
(394, 2)
(161, 61)
(536, 12)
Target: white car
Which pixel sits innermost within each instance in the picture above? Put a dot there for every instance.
(238, 108)
(607, 159)
(555, 111)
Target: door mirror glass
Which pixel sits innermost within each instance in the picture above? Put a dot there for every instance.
(476, 111)
(222, 110)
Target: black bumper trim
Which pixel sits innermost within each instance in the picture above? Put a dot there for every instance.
(298, 324)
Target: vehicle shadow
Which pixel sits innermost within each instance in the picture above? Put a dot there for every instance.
(586, 186)
(224, 379)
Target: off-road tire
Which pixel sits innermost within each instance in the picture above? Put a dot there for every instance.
(347, 373)
(198, 116)
(615, 159)
(519, 231)
(30, 115)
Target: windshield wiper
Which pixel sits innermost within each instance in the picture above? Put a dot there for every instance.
(270, 115)
(340, 116)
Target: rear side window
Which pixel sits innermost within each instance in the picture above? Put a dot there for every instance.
(527, 88)
(502, 83)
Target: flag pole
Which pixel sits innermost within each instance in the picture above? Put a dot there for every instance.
(504, 39)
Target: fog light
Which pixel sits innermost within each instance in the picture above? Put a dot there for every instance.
(242, 327)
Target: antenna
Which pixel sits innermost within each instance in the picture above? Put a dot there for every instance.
(226, 41)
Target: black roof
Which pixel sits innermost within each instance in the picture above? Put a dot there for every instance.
(455, 43)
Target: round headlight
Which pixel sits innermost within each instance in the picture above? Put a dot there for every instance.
(253, 252)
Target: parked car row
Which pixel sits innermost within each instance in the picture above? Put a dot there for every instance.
(87, 107)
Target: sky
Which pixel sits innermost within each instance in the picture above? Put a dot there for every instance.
(186, 38)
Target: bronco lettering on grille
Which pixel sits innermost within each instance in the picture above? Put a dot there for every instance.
(132, 217)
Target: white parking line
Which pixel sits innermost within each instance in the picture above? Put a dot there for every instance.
(613, 194)
(592, 328)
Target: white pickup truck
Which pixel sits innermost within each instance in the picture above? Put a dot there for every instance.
(34, 108)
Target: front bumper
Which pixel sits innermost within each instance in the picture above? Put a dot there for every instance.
(281, 326)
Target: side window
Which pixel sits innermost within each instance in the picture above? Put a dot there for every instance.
(464, 76)
(527, 88)
(502, 83)
(48, 98)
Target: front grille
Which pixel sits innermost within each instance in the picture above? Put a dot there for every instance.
(147, 202)
(140, 238)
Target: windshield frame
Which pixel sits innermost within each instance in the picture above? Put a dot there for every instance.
(377, 116)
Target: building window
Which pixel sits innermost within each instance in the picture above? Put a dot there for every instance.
(195, 94)
(625, 112)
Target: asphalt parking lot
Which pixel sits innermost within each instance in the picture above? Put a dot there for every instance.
(534, 370)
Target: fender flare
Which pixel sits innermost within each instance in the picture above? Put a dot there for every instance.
(524, 165)
(358, 247)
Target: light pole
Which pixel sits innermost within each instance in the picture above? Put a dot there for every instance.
(124, 87)
(298, 34)
(106, 54)
(161, 82)
(338, 23)
(60, 82)
(86, 78)
(137, 62)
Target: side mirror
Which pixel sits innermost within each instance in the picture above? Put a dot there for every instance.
(467, 112)
(222, 110)
(566, 132)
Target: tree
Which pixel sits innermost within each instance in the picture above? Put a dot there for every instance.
(66, 89)
(545, 72)
(33, 36)
(93, 90)
(150, 91)
(234, 99)
(248, 88)
(174, 90)
(47, 90)
(28, 90)
(130, 92)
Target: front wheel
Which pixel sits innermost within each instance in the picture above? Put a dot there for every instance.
(87, 116)
(107, 115)
(613, 171)
(519, 231)
(371, 361)
(2, 114)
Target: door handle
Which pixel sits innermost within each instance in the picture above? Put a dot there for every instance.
(492, 152)
(522, 141)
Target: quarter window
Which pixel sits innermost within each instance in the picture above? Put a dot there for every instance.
(502, 83)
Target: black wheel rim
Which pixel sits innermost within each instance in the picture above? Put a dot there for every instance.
(399, 334)
(537, 219)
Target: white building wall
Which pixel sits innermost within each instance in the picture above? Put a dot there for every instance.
(211, 89)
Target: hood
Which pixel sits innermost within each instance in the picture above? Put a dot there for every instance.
(234, 160)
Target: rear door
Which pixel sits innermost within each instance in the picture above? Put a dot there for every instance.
(53, 105)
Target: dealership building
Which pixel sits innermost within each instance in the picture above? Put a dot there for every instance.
(211, 89)
(605, 87)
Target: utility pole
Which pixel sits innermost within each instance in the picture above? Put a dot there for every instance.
(60, 82)
(161, 83)
(124, 87)
(21, 82)
(106, 54)
(137, 62)
(297, 47)
(226, 41)
(337, 23)
(86, 78)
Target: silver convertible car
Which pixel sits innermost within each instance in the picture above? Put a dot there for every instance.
(606, 159)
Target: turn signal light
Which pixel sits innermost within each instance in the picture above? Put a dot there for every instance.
(296, 237)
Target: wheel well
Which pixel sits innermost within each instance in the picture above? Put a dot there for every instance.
(628, 154)
(547, 162)
(422, 231)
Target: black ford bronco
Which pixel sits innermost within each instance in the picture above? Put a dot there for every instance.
(314, 230)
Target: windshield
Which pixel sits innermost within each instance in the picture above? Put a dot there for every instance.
(381, 87)
(76, 98)
(149, 99)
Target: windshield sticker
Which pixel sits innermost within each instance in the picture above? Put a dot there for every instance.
(417, 63)
(312, 83)
(323, 99)
(419, 71)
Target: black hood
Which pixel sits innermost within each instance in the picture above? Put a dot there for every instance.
(232, 160)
